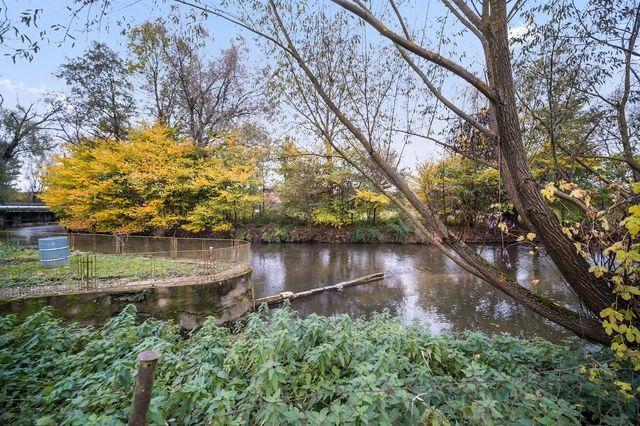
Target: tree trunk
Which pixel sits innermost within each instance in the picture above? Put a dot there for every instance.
(507, 120)
(594, 292)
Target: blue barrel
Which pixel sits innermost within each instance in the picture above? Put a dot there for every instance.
(54, 251)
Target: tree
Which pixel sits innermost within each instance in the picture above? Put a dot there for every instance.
(212, 95)
(462, 192)
(315, 189)
(152, 181)
(147, 44)
(22, 134)
(489, 24)
(101, 102)
(371, 202)
(14, 37)
(614, 29)
(282, 23)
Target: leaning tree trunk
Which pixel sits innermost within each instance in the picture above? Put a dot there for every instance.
(588, 327)
(595, 293)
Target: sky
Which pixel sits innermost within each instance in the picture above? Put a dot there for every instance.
(26, 82)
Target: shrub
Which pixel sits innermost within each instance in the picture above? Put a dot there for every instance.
(283, 369)
(365, 234)
(275, 235)
(399, 228)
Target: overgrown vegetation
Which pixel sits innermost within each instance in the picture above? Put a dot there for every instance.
(21, 268)
(153, 180)
(288, 370)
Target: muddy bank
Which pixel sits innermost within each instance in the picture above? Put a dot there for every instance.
(358, 234)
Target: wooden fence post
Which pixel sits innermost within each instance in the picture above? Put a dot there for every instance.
(173, 244)
(147, 361)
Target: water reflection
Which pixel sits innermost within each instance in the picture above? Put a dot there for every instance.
(422, 285)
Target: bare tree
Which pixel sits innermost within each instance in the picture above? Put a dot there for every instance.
(488, 21)
(211, 94)
(22, 134)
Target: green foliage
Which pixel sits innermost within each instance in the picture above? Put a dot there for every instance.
(7, 250)
(101, 92)
(275, 235)
(289, 370)
(462, 191)
(365, 234)
(21, 268)
(153, 180)
(325, 190)
(370, 202)
(399, 228)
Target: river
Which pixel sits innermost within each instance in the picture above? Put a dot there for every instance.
(421, 284)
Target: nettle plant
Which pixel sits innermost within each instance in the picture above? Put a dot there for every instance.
(279, 368)
(609, 239)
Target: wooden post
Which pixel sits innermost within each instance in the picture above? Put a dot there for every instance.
(147, 361)
(173, 247)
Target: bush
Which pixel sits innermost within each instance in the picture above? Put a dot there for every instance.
(365, 234)
(399, 228)
(290, 370)
(275, 235)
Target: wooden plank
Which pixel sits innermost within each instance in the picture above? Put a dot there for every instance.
(289, 295)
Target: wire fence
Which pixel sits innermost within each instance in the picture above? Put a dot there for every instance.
(101, 262)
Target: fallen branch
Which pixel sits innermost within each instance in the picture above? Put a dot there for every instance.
(289, 295)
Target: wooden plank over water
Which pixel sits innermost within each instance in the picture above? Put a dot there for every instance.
(289, 295)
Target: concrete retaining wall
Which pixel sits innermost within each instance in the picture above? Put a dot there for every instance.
(227, 299)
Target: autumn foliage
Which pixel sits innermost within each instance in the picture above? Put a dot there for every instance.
(152, 180)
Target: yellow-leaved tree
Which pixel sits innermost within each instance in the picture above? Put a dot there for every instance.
(370, 202)
(153, 180)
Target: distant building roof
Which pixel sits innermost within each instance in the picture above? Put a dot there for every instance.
(24, 208)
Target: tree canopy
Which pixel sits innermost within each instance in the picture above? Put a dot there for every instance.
(152, 180)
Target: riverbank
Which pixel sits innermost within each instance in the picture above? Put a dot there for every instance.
(391, 233)
(384, 233)
(283, 369)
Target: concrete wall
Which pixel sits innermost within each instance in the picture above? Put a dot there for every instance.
(187, 305)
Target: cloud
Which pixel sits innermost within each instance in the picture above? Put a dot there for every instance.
(37, 90)
(519, 30)
(8, 85)
(15, 88)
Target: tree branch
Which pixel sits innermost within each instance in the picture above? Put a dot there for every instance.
(437, 59)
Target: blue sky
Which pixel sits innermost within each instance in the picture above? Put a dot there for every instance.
(28, 81)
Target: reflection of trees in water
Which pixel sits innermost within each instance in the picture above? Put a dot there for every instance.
(517, 261)
(423, 284)
(470, 304)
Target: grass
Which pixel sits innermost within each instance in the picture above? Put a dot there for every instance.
(21, 268)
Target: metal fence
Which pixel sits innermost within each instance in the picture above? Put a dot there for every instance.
(123, 244)
(112, 261)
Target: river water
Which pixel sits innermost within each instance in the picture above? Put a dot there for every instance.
(422, 285)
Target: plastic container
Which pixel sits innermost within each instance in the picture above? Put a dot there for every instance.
(54, 251)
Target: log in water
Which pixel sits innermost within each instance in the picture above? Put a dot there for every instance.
(288, 295)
